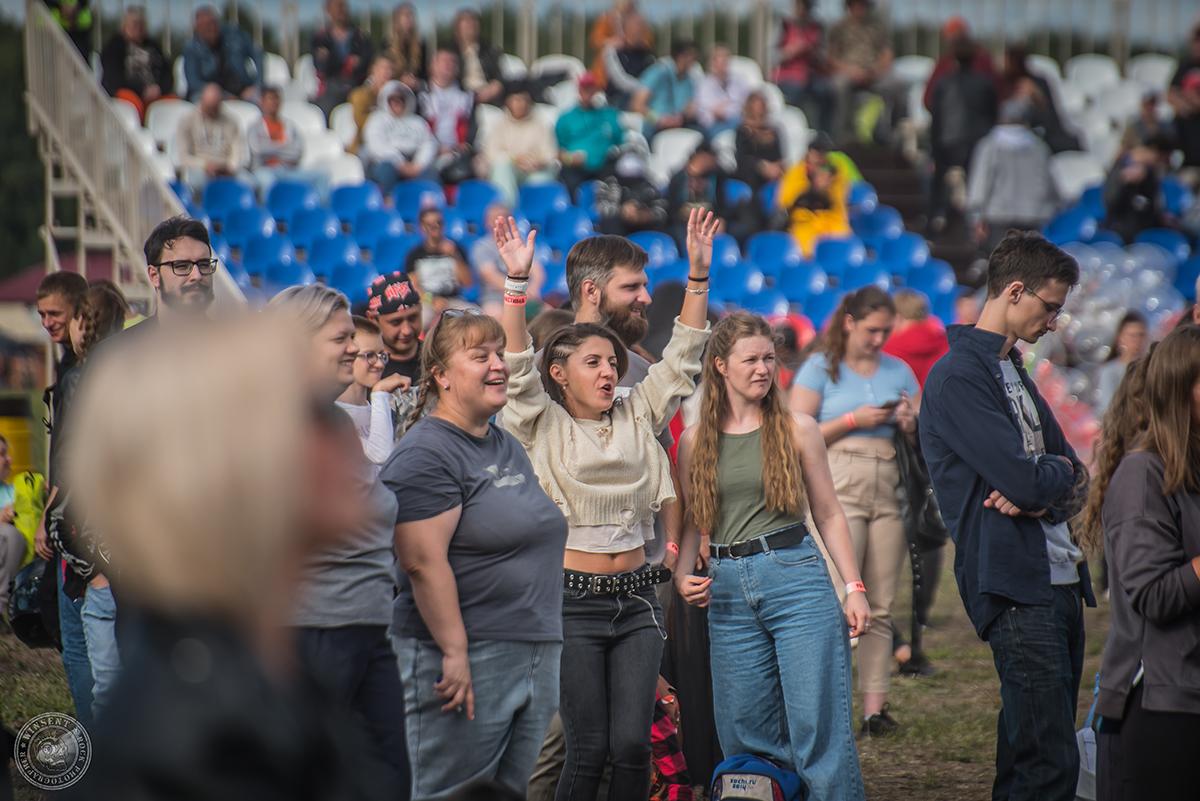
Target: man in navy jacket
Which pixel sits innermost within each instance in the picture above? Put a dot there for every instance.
(1007, 482)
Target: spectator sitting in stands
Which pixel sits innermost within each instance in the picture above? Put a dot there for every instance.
(132, 65)
(860, 55)
(449, 111)
(479, 60)
(76, 18)
(438, 267)
(721, 94)
(210, 142)
(1184, 97)
(365, 99)
(701, 184)
(813, 193)
(1009, 184)
(625, 59)
(406, 47)
(759, 147)
(221, 54)
(954, 32)
(276, 148)
(668, 93)
(588, 136)
(341, 55)
(1147, 126)
(627, 201)
(1019, 82)
(1133, 189)
(963, 108)
(485, 258)
(614, 28)
(800, 72)
(397, 143)
(519, 148)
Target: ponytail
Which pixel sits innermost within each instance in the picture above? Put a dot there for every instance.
(857, 305)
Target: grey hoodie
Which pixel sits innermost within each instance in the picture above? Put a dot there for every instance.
(405, 138)
(1009, 179)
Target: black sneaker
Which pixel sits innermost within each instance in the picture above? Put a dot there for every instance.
(881, 724)
(917, 667)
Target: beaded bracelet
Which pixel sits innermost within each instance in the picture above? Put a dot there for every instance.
(691, 291)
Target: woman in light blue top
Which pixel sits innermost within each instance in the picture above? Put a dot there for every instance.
(860, 396)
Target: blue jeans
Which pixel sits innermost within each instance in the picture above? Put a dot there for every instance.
(516, 693)
(781, 667)
(99, 616)
(356, 666)
(74, 651)
(387, 176)
(1038, 651)
(612, 649)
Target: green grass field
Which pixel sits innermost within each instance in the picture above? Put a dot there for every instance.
(944, 752)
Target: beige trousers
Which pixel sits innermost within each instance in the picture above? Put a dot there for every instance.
(866, 479)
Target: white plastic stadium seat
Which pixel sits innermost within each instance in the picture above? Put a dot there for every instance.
(345, 168)
(671, 148)
(1092, 73)
(774, 97)
(547, 113)
(563, 96)
(913, 69)
(305, 80)
(164, 166)
(1075, 171)
(181, 87)
(485, 117)
(126, 113)
(276, 71)
(512, 67)
(1046, 67)
(795, 134)
(1121, 102)
(307, 118)
(162, 118)
(341, 122)
(1152, 70)
(725, 143)
(917, 113)
(558, 62)
(632, 121)
(319, 146)
(1071, 100)
(247, 113)
(747, 69)
(145, 140)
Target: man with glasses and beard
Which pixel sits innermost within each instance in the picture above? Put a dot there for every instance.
(180, 265)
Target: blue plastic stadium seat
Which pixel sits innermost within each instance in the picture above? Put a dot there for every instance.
(818, 308)
(563, 230)
(285, 198)
(352, 279)
(731, 284)
(1106, 236)
(862, 198)
(906, 252)
(868, 274)
(374, 224)
(773, 251)
(1177, 198)
(409, 197)
(263, 251)
(738, 192)
(1091, 202)
(1185, 278)
(935, 278)
(329, 253)
(837, 255)
(1175, 243)
(659, 247)
(767, 302)
(457, 227)
(474, 196)
(350, 200)
(243, 225)
(556, 278)
(309, 225)
(288, 273)
(800, 283)
(538, 201)
(223, 196)
(672, 272)
(726, 251)
(391, 252)
(1073, 225)
(587, 199)
(768, 195)
(878, 226)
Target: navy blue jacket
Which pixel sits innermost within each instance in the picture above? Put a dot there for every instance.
(973, 445)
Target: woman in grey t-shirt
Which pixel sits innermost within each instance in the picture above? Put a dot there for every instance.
(478, 623)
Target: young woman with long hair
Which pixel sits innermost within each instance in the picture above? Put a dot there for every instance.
(780, 652)
(1128, 344)
(861, 396)
(1146, 500)
(600, 461)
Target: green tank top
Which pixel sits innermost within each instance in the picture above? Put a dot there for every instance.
(743, 513)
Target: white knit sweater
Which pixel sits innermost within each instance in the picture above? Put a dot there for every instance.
(610, 471)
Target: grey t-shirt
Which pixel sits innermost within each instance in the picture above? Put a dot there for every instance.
(1063, 553)
(353, 584)
(507, 552)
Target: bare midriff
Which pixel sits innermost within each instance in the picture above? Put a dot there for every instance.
(587, 562)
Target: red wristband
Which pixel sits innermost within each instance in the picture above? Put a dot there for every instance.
(673, 547)
(856, 586)
(851, 423)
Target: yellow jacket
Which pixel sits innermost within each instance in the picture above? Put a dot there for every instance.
(809, 226)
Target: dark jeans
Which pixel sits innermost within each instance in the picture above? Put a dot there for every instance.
(816, 99)
(356, 666)
(1038, 651)
(1146, 755)
(945, 158)
(575, 177)
(612, 646)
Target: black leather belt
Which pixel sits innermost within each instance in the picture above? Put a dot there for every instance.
(776, 540)
(615, 583)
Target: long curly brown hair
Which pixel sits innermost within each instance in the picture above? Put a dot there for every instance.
(101, 314)
(782, 479)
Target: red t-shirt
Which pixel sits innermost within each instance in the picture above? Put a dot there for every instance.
(919, 346)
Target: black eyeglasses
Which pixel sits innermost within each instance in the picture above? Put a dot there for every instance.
(183, 267)
(1051, 309)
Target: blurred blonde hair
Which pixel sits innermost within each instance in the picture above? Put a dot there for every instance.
(911, 305)
(187, 472)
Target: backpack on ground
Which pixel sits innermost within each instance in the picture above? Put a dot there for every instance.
(747, 777)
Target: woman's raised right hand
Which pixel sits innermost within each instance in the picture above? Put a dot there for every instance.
(516, 254)
(454, 687)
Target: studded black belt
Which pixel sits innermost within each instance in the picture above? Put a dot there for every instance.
(614, 583)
